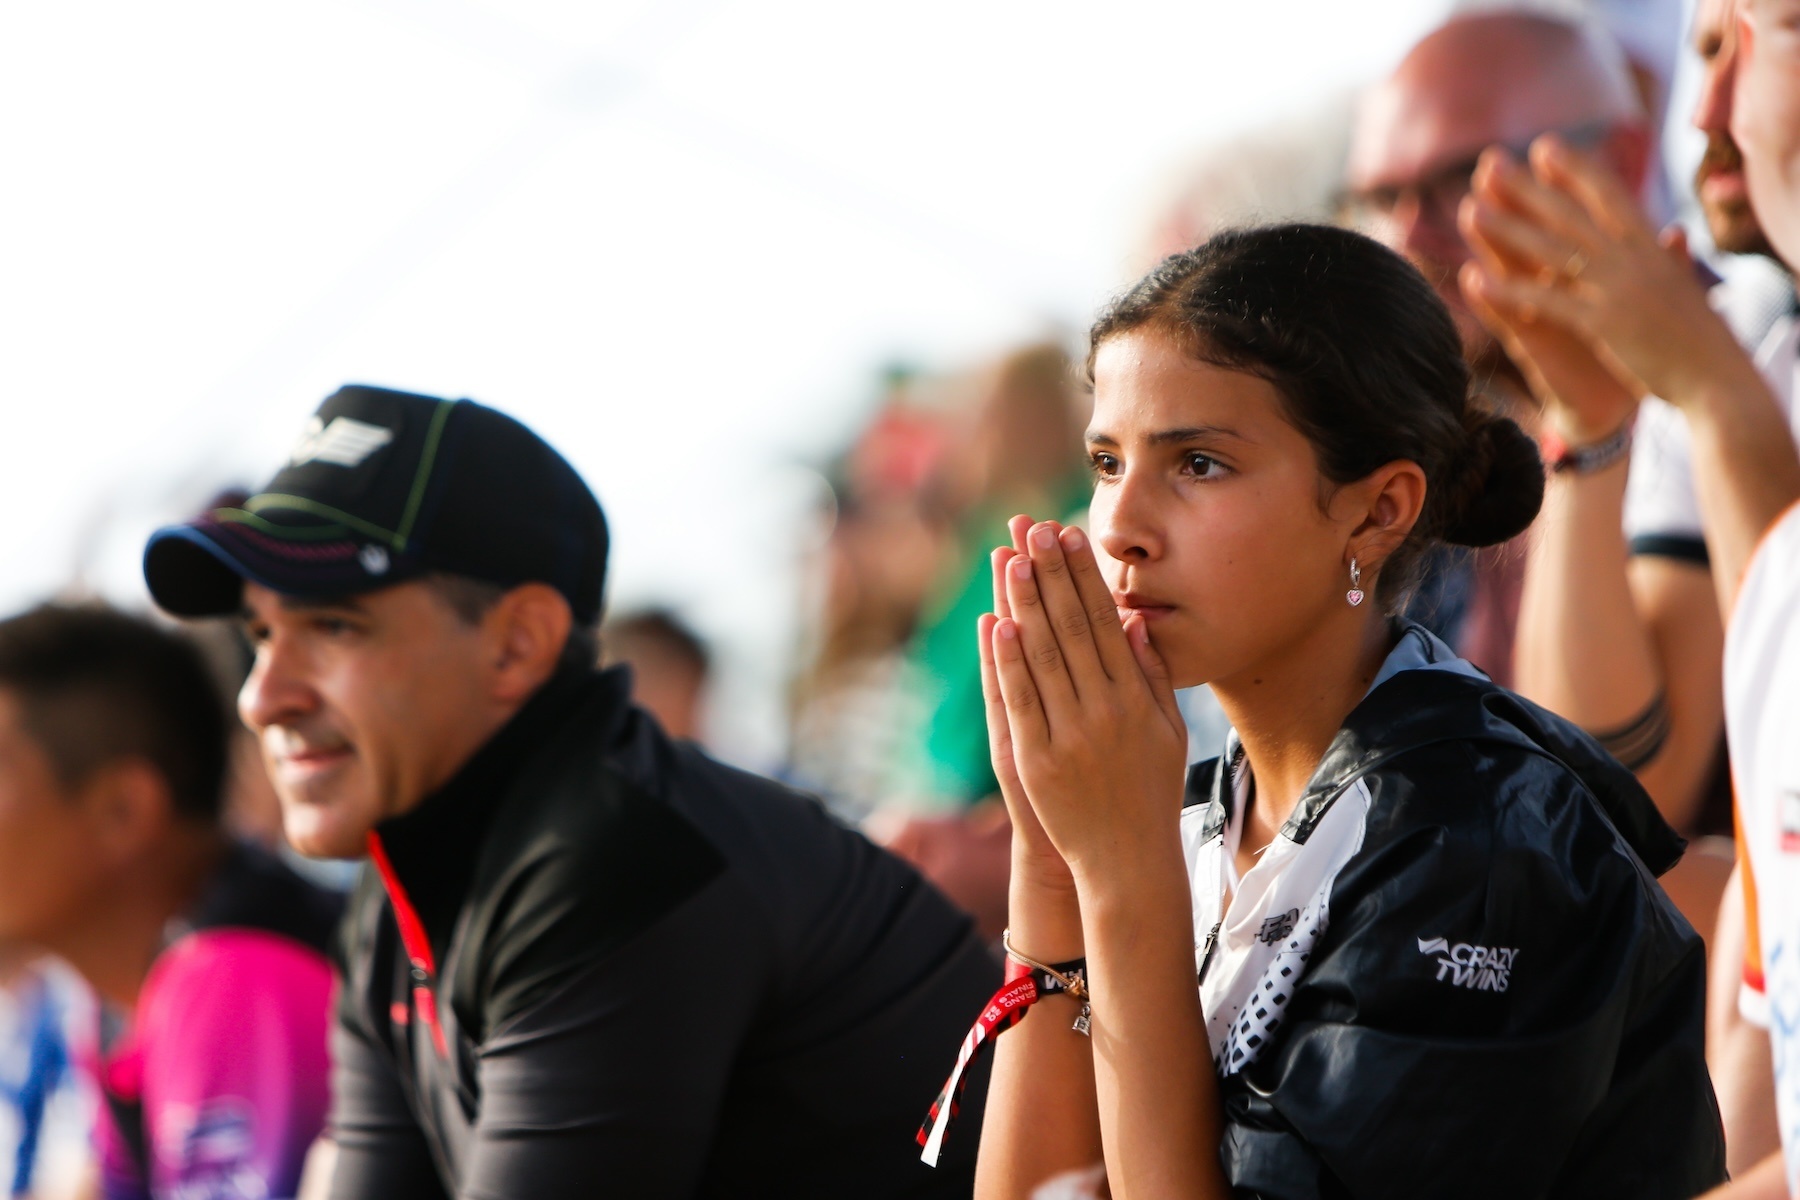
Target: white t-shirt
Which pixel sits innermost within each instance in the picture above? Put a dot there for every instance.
(1762, 721)
(49, 1002)
(1662, 512)
(1259, 950)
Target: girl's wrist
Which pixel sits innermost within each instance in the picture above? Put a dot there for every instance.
(1044, 917)
(1153, 881)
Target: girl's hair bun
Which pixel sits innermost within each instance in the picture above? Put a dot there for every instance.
(1496, 484)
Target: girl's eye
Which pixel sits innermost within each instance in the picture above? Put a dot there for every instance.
(1200, 465)
(1103, 464)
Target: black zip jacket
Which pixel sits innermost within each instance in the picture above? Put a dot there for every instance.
(655, 976)
(1577, 1070)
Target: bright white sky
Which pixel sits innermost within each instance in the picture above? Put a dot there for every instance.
(676, 238)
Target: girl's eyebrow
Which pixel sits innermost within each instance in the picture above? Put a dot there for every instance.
(1165, 436)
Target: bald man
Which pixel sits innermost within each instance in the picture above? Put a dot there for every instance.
(1497, 78)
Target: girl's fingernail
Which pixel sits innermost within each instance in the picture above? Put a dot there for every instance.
(1073, 539)
(1021, 567)
(1043, 537)
(1007, 629)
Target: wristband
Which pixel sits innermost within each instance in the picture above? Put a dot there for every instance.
(1027, 981)
(1559, 456)
(1070, 977)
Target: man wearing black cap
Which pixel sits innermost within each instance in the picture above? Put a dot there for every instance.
(589, 960)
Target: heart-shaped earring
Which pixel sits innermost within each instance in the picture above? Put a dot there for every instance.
(1355, 594)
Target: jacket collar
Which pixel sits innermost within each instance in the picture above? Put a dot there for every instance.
(1422, 707)
(434, 847)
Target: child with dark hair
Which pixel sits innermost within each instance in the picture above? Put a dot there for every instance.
(207, 955)
(1404, 937)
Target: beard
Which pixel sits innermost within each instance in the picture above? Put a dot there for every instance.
(1732, 223)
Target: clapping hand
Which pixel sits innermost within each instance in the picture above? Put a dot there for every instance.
(1563, 252)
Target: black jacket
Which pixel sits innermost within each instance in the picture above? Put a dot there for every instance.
(656, 977)
(1494, 824)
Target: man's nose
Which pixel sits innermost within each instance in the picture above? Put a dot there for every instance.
(1712, 107)
(276, 690)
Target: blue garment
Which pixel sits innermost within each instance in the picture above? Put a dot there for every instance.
(46, 1067)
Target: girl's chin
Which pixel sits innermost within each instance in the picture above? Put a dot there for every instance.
(1184, 670)
(1184, 654)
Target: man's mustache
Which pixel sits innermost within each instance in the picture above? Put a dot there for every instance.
(1722, 154)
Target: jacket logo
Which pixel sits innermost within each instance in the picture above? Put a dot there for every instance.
(1479, 968)
(1278, 926)
(346, 442)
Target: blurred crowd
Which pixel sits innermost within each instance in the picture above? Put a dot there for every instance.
(1607, 611)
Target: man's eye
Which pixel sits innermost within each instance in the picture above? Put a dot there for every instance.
(258, 634)
(332, 626)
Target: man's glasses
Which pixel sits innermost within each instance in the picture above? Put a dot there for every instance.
(1440, 193)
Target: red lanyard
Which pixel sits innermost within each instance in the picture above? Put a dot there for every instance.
(418, 946)
(1026, 983)
(1004, 1011)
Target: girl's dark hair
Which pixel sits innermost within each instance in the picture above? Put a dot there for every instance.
(1368, 363)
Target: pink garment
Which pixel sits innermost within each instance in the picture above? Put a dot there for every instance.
(227, 1055)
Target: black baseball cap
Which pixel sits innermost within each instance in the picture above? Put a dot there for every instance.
(383, 487)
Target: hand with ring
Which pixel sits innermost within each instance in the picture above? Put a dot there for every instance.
(1561, 242)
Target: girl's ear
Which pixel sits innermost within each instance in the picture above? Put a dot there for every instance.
(1384, 506)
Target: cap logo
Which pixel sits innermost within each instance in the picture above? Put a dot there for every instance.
(374, 559)
(346, 442)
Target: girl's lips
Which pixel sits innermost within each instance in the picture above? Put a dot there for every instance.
(1144, 606)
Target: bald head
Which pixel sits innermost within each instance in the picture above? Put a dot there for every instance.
(1498, 78)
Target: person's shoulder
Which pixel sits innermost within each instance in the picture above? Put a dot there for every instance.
(248, 973)
(629, 832)
(1461, 752)
(582, 857)
(1494, 822)
(677, 807)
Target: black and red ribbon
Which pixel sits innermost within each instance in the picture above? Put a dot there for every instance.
(1023, 988)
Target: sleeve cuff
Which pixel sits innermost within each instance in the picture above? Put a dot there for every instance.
(1680, 547)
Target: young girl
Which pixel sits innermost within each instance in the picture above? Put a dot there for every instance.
(1403, 939)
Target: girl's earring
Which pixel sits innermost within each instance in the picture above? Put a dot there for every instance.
(1355, 594)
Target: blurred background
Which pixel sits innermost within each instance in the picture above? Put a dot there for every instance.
(800, 288)
(752, 267)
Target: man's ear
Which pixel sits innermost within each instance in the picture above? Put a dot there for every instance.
(128, 805)
(1385, 504)
(527, 630)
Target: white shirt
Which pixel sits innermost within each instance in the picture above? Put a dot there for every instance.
(1762, 720)
(1250, 959)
